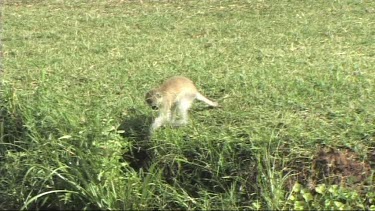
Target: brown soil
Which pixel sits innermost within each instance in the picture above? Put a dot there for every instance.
(334, 167)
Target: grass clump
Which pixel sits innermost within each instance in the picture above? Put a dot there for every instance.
(294, 79)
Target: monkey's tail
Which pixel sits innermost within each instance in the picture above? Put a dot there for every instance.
(202, 98)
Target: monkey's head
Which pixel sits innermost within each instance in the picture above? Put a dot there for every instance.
(154, 99)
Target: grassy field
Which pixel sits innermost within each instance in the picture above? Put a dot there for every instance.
(295, 80)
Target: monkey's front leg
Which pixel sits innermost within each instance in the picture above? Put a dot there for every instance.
(160, 120)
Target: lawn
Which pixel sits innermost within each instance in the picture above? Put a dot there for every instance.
(295, 81)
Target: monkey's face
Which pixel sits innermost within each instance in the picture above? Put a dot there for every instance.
(154, 99)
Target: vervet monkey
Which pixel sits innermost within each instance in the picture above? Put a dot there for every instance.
(175, 96)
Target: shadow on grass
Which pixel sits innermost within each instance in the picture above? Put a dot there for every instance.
(12, 131)
(196, 173)
(136, 130)
(193, 173)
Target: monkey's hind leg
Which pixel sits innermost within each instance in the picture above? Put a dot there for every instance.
(174, 114)
(183, 108)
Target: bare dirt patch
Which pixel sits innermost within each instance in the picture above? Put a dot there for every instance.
(334, 167)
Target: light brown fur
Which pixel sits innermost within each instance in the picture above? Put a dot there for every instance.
(174, 96)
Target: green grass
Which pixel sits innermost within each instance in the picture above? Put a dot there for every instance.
(297, 75)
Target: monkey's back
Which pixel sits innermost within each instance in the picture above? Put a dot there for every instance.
(178, 86)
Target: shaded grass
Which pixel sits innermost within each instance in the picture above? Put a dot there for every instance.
(297, 75)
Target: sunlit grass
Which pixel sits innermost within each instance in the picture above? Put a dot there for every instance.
(290, 76)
